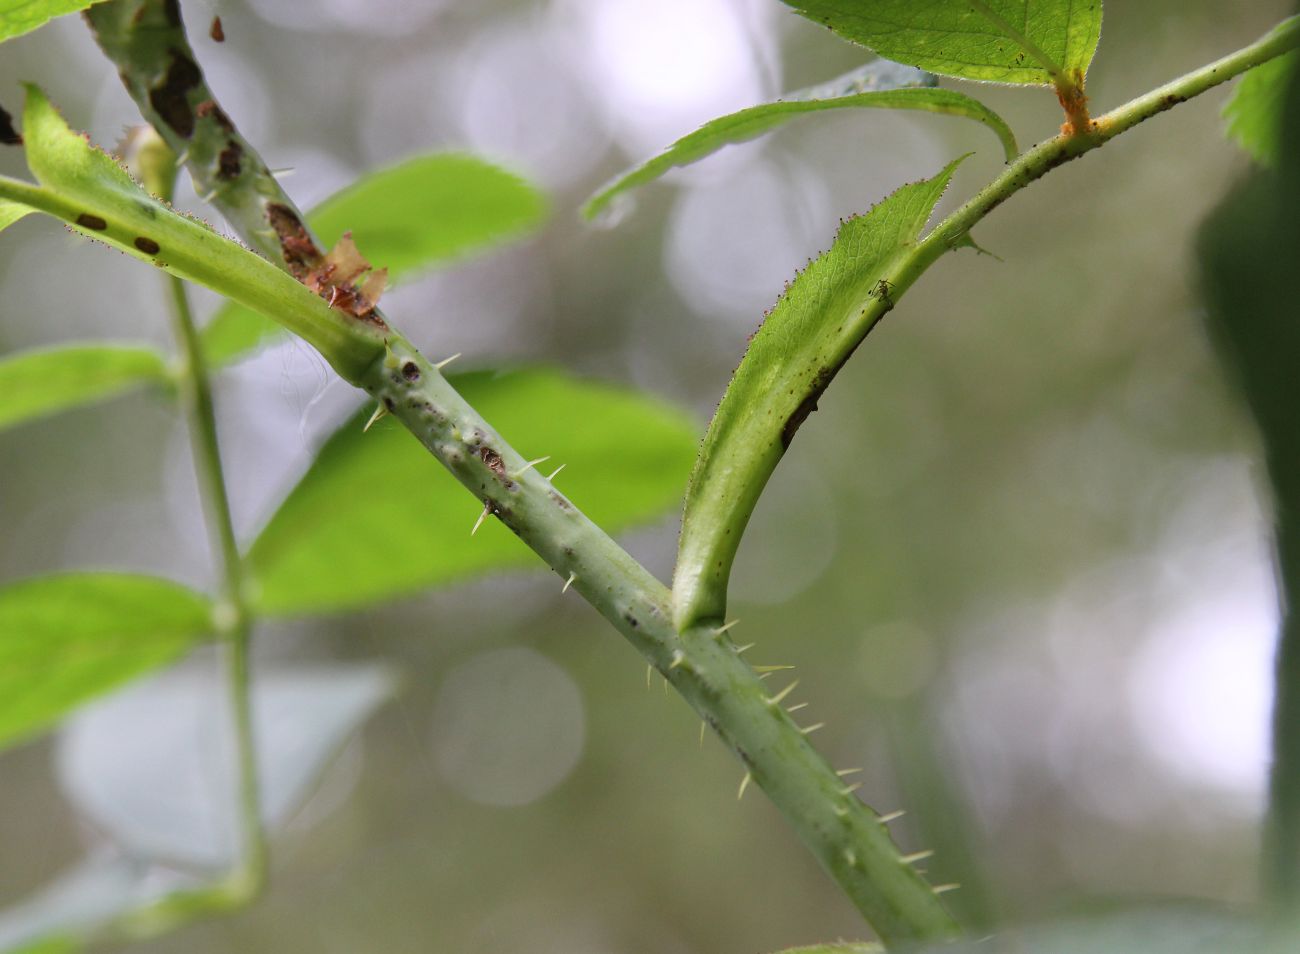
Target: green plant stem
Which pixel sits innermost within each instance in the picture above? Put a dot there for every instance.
(847, 837)
(705, 589)
(234, 619)
(1281, 843)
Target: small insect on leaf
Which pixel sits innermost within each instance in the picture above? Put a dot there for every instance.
(216, 32)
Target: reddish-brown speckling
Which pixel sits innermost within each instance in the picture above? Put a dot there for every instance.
(209, 109)
(493, 461)
(300, 252)
(228, 164)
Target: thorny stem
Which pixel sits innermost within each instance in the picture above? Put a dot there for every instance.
(147, 42)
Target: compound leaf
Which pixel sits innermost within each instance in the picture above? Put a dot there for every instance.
(41, 382)
(376, 516)
(66, 638)
(1032, 42)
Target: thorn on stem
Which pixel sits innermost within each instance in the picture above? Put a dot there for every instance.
(809, 730)
(916, 856)
(772, 668)
(722, 629)
(703, 725)
(848, 771)
(891, 816)
(446, 361)
(380, 412)
(776, 699)
(487, 509)
(679, 657)
(796, 708)
(850, 789)
(568, 583)
(941, 888)
(745, 648)
(744, 784)
(528, 466)
(551, 475)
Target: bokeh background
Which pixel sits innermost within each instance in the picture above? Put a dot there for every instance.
(1019, 556)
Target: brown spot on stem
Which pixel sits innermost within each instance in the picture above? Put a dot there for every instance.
(800, 414)
(411, 371)
(228, 165)
(147, 245)
(493, 461)
(209, 109)
(88, 221)
(170, 97)
(8, 135)
(300, 252)
(216, 32)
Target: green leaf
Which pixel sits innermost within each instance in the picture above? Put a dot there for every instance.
(22, 16)
(376, 516)
(42, 382)
(64, 639)
(753, 122)
(128, 762)
(813, 329)
(407, 218)
(1034, 42)
(1254, 111)
(87, 190)
(11, 212)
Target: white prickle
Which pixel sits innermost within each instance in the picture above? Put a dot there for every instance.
(703, 725)
(679, 657)
(446, 361)
(649, 670)
(773, 668)
(726, 626)
(528, 466)
(380, 413)
(892, 816)
(481, 517)
(796, 708)
(744, 784)
(809, 730)
(941, 888)
(850, 789)
(916, 856)
(551, 475)
(776, 699)
(568, 583)
(848, 771)
(745, 648)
